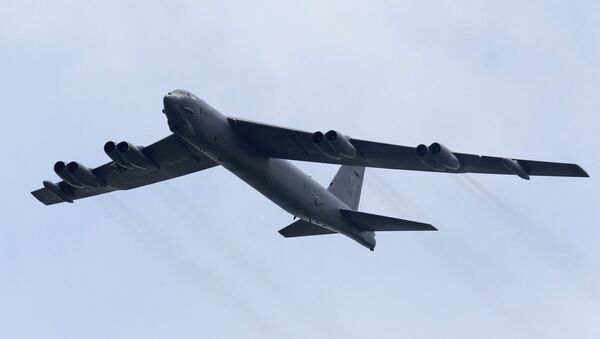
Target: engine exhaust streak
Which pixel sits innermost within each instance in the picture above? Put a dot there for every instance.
(150, 237)
(535, 238)
(392, 197)
(187, 210)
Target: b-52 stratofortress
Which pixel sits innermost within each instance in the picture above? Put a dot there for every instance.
(258, 154)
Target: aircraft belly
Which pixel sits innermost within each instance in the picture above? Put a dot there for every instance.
(277, 179)
(288, 187)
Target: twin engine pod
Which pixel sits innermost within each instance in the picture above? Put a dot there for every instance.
(123, 154)
(334, 145)
(438, 157)
(126, 155)
(77, 175)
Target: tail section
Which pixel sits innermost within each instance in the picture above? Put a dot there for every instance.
(359, 226)
(347, 185)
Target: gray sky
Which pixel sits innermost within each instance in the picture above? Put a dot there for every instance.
(200, 256)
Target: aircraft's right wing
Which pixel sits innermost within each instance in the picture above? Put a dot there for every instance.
(165, 159)
(293, 144)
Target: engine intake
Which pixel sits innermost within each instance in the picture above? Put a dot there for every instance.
(444, 156)
(340, 144)
(126, 155)
(325, 147)
(133, 155)
(60, 168)
(110, 148)
(84, 175)
(437, 157)
(427, 158)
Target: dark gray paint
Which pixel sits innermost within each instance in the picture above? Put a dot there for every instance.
(203, 138)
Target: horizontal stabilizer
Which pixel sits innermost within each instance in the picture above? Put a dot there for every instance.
(372, 222)
(302, 228)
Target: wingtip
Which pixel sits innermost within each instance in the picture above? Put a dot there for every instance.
(38, 198)
(584, 173)
(43, 197)
(428, 227)
(51, 194)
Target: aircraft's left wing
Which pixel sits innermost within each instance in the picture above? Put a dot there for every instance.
(335, 148)
(131, 167)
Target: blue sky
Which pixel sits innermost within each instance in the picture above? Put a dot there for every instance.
(200, 256)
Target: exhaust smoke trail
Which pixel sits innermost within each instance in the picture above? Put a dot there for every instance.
(443, 250)
(480, 190)
(149, 236)
(534, 237)
(393, 194)
(187, 209)
(523, 227)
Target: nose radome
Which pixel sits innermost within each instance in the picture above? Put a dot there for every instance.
(169, 101)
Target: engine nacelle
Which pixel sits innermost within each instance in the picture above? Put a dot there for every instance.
(60, 168)
(324, 146)
(438, 157)
(110, 148)
(84, 175)
(133, 155)
(427, 158)
(340, 144)
(444, 156)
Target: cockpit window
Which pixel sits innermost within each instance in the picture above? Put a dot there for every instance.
(185, 93)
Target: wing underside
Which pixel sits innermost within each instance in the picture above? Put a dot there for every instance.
(172, 157)
(292, 144)
(168, 158)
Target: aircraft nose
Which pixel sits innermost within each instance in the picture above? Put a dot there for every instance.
(176, 118)
(169, 102)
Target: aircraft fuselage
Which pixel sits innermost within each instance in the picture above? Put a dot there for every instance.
(213, 134)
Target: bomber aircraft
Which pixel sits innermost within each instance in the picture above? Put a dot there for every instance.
(258, 153)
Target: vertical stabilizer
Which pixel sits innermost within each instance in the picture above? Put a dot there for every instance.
(347, 185)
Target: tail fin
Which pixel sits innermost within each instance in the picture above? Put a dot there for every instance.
(347, 185)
